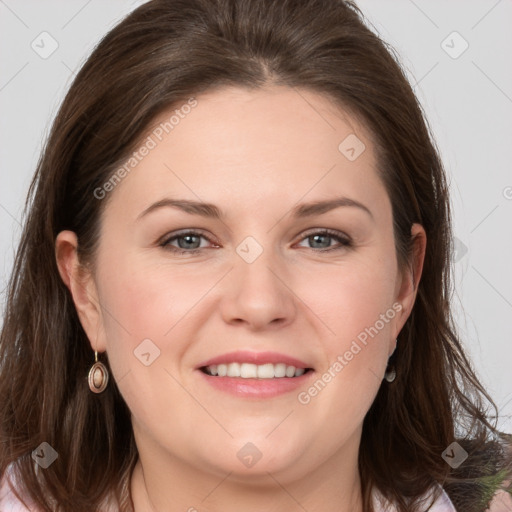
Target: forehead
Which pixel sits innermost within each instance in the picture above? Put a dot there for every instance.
(253, 148)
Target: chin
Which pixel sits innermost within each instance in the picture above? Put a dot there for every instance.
(243, 459)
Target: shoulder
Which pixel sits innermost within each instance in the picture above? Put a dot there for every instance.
(501, 502)
(441, 504)
(8, 500)
(10, 503)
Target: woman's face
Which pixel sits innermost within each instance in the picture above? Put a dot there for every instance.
(262, 278)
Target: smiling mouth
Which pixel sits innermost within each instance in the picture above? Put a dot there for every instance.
(253, 371)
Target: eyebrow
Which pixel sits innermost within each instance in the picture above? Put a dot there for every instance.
(210, 210)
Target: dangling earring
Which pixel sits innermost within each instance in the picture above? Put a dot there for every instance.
(390, 374)
(98, 376)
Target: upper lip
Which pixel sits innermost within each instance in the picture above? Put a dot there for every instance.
(258, 358)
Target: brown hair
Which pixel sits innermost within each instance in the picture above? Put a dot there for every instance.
(163, 53)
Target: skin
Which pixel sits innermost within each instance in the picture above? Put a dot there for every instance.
(254, 154)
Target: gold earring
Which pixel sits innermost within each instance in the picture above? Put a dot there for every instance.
(98, 376)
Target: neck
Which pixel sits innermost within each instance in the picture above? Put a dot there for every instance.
(166, 484)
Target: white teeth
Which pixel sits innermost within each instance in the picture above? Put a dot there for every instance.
(233, 370)
(279, 370)
(247, 371)
(265, 371)
(253, 371)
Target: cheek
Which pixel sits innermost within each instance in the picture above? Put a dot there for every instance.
(148, 323)
(352, 297)
(145, 316)
(358, 309)
(148, 300)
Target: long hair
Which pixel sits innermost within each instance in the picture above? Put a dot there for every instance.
(161, 55)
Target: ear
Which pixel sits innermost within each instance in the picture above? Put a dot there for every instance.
(83, 290)
(407, 285)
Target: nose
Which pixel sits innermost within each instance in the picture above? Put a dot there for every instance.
(259, 294)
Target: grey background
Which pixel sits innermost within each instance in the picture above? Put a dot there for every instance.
(468, 101)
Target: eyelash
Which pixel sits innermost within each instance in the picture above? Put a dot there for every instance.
(344, 240)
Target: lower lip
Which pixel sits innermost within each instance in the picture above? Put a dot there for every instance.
(256, 388)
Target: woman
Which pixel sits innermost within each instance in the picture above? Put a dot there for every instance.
(232, 290)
